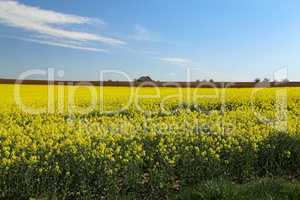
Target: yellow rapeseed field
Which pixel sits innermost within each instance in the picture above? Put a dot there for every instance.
(105, 141)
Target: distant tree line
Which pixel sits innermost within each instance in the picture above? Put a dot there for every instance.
(266, 80)
(256, 80)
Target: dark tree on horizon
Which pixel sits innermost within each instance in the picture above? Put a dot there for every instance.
(144, 79)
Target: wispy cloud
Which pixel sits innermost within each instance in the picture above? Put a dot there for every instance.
(66, 45)
(49, 23)
(141, 33)
(176, 60)
(55, 43)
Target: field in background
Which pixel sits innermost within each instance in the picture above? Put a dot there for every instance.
(143, 142)
(65, 96)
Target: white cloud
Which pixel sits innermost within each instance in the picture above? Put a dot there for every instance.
(143, 34)
(57, 43)
(14, 12)
(176, 60)
(47, 22)
(67, 45)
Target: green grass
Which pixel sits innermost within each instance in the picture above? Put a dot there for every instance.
(264, 189)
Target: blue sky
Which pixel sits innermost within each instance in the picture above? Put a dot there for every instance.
(232, 40)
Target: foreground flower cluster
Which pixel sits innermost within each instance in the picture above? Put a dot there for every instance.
(146, 153)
